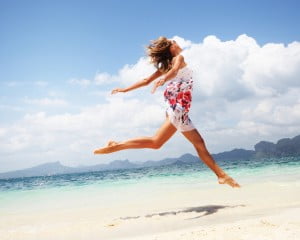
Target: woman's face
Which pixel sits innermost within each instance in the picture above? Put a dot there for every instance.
(174, 48)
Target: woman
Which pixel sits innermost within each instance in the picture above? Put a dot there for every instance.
(171, 68)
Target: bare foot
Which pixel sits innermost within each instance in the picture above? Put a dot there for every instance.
(109, 148)
(228, 180)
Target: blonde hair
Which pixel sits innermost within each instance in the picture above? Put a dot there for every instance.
(160, 55)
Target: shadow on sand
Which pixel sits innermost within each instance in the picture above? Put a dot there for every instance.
(204, 210)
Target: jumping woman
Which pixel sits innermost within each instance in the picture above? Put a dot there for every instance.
(172, 69)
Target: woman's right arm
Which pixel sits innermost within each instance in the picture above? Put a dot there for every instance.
(141, 83)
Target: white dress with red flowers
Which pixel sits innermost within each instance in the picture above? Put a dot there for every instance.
(178, 97)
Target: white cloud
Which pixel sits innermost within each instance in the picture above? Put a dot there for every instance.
(2, 132)
(66, 134)
(281, 111)
(241, 68)
(104, 79)
(131, 73)
(243, 93)
(126, 75)
(182, 42)
(273, 69)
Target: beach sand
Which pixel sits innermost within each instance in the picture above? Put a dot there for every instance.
(262, 210)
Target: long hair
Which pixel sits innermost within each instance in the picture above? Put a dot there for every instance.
(160, 55)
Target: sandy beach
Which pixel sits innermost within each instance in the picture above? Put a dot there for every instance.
(262, 210)
(285, 224)
(259, 211)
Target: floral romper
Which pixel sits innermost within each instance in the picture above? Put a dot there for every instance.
(178, 97)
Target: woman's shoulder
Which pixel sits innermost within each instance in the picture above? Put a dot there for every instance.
(179, 57)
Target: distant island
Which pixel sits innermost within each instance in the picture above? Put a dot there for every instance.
(284, 147)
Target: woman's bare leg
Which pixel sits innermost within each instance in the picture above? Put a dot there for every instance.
(195, 138)
(164, 133)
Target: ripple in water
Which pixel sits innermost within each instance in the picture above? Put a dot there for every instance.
(159, 173)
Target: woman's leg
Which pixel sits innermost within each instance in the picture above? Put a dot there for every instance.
(195, 138)
(163, 134)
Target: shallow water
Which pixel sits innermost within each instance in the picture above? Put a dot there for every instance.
(119, 184)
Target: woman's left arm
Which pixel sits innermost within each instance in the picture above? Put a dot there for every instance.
(170, 74)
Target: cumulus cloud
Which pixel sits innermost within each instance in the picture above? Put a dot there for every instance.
(243, 93)
(138, 71)
(241, 68)
(273, 69)
(56, 136)
(283, 111)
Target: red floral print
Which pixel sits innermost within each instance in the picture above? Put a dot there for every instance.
(178, 96)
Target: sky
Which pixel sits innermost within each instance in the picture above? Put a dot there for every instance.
(59, 60)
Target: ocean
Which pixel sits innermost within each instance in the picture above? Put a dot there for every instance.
(126, 180)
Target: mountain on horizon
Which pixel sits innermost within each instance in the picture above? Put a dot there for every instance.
(283, 147)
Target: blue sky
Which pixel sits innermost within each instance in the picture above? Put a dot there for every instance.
(46, 44)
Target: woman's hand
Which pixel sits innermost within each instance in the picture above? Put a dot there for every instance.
(117, 90)
(157, 84)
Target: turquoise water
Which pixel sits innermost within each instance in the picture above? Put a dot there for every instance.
(106, 179)
(171, 176)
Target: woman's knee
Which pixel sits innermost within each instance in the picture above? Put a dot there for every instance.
(156, 143)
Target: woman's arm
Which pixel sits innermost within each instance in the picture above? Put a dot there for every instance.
(141, 83)
(179, 60)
